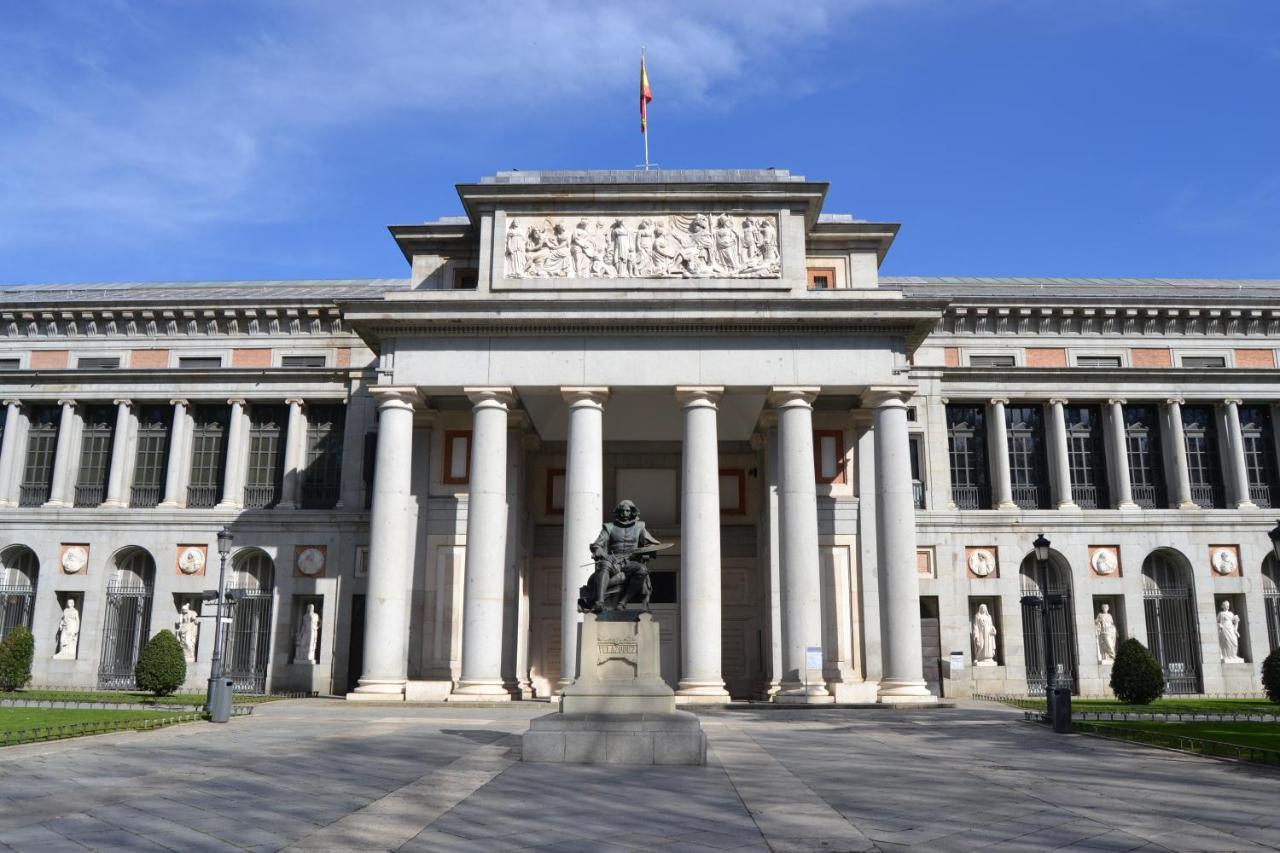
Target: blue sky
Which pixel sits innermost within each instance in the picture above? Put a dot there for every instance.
(236, 139)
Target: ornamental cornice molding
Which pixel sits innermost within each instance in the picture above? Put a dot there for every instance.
(171, 322)
(1072, 321)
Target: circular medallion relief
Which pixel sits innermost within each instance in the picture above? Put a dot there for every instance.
(982, 562)
(1224, 561)
(190, 561)
(1104, 562)
(310, 561)
(74, 559)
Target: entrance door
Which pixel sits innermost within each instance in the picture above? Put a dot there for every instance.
(1171, 622)
(355, 646)
(249, 641)
(931, 643)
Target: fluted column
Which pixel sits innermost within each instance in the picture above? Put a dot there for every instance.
(998, 428)
(1061, 455)
(801, 587)
(485, 584)
(8, 451)
(1178, 447)
(175, 469)
(700, 675)
(1122, 491)
(386, 634)
(119, 461)
(60, 482)
(1239, 468)
(294, 447)
(903, 678)
(233, 474)
(583, 512)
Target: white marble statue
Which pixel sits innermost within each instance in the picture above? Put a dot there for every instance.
(1229, 634)
(188, 631)
(984, 638)
(306, 643)
(68, 632)
(1104, 628)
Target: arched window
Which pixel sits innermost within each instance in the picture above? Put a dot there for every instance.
(249, 638)
(1169, 603)
(1271, 598)
(19, 569)
(128, 617)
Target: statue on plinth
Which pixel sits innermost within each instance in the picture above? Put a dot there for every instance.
(68, 632)
(307, 640)
(188, 631)
(1104, 628)
(1229, 634)
(984, 638)
(621, 553)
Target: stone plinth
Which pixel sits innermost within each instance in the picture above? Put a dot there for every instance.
(619, 710)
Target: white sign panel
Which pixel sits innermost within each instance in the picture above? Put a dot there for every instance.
(813, 657)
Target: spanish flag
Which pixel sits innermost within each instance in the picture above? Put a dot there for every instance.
(645, 96)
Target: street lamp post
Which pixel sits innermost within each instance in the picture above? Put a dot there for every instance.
(218, 699)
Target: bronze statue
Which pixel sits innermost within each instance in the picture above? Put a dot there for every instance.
(621, 553)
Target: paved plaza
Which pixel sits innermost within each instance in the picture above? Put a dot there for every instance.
(330, 775)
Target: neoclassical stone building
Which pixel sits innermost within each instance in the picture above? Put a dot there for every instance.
(850, 467)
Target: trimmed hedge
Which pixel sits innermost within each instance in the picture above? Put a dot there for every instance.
(1136, 676)
(16, 653)
(1271, 675)
(161, 666)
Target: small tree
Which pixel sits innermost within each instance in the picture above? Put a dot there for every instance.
(1271, 675)
(161, 667)
(16, 653)
(1136, 676)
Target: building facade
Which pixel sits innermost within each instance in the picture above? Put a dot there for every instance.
(851, 468)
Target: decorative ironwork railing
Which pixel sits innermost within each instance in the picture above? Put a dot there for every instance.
(1148, 497)
(971, 497)
(1029, 497)
(1260, 494)
(33, 494)
(917, 493)
(260, 497)
(89, 495)
(1085, 497)
(1206, 495)
(202, 497)
(144, 496)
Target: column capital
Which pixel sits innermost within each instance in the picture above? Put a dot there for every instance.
(1233, 401)
(121, 401)
(699, 395)
(768, 419)
(64, 402)
(178, 401)
(395, 396)
(999, 401)
(585, 395)
(1117, 401)
(791, 396)
(491, 396)
(11, 402)
(887, 395)
(237, 401)
(295, 401)
(1175, 401)
(1058, 401)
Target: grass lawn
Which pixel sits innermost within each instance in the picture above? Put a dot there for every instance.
(18, 719)
(1261, 735)
(1163, 706)
(132, 697)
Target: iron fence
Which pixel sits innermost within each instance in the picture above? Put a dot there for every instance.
(127, 627)
(1148, 496)
(16, 603)
(202, 497)
(971, 497)
(1260, 494)
(88, 495)
(144, 496)
(33, 494)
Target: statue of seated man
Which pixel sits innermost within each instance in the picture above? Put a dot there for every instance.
(621, 574)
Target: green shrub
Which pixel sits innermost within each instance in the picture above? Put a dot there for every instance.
(161, 667)
(16, 653)
(1271, 675)
(1136, 676)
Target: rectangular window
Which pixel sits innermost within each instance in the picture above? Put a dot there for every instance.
(1204, 361)
(322, 471)
(42, 444)
(1098, 361)
(1028, 477)
(466, 279)
(95, 455)
(1142, 448)
(457, 456)
(733, 491)
(821, 278)
(96, 363)
(208, 454)
(1086, 456)
(967, 450)
(265, 471)
(992, 361)
(553, 500)
(10, 363)
(828, 453)
(917, 482)
(302, 361)
(151, 461)
(200, 362)
(1259, 454)
(1200, 435)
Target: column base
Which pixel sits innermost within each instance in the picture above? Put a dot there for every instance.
(54, 504)
(1068, 506)
(1127, 506)
(479, 691)
(902, 692)
(1188, 505)
(378, 690)
(1006, 505)
(169, 505)
(799, 694)
(700, 692)
(229, 505)
(1246, 505)
(113, 505)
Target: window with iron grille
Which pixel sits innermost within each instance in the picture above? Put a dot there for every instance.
(10, 363)
(1086, 456)
(1028, 478)
(151, 461)
(208, 454)
(1097, 361)
(967, 450)
(302, 361)
(917, 482)
(1142, 450)
(1259, 454)
(322, 474)
(42, 444)
(199, 362)
(266, 455)
(991, 361)
(95, 455)
(97, 363)
(1204, 361)
(1204, 471)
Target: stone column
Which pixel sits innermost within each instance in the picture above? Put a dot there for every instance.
(583, 512)
(700, 676)
(998, 430)
(1181, 485)
(771, 558)
(237, 447)
(175, 470)
(60, 483)
(903, 677)
(8, 451)
(386, 633)
(801, 587)
(1239, 468)
(1061, 455)
(1122, 495)
(119, 461)
(482, 597)
(294, 447)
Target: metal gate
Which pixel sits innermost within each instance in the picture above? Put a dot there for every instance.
(127, 627)
(15, 607)
(249, 640)
(1062, 631)
(1171, 624)
(1271, 600)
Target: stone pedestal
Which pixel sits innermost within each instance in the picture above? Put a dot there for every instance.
(619, 711)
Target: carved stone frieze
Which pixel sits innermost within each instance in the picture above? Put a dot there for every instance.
(696, 245)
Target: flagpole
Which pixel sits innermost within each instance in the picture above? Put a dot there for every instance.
(646, 122)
